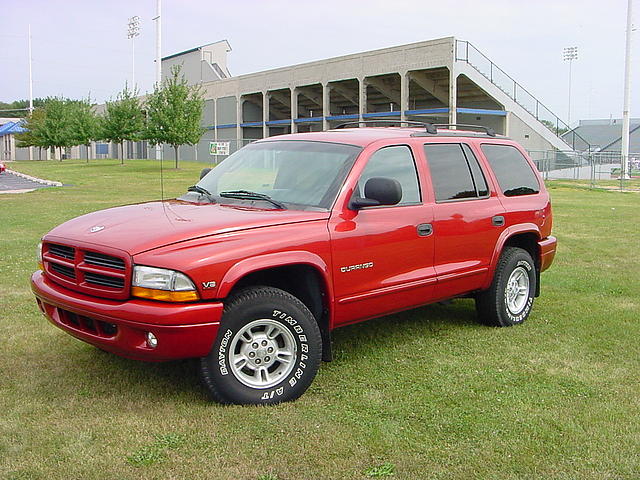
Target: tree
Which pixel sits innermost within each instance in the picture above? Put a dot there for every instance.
(19, 108)
(174, 113)
(84, 123)
(123, 119)
(57, 124)
(34, 134)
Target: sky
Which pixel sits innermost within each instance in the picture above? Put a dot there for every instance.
(80, 47)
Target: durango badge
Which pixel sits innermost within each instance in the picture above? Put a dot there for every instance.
(96, 228)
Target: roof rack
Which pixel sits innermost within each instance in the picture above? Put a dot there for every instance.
(490, 131)
(429, 127)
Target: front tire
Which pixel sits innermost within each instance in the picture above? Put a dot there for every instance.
(267, 351)
(509, 299)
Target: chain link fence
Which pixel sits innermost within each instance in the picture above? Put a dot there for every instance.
(596, 169)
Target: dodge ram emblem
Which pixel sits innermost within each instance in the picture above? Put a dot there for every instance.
(96, 228)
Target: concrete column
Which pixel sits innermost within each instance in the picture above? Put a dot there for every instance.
(326, 105)
(506, 124)
(363, 97)
(215, 119)
(239, 121)
(453, 94)
(265, 114)
(294, 109)
(404, 94)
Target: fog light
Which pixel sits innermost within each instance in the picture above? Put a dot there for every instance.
(152, 341)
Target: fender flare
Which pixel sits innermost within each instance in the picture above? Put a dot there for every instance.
(502, 239)
(274, 260)
(282, 259)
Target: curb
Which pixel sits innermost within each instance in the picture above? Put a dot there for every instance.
(51, 183)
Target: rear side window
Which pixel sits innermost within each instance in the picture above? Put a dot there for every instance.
(512, 170)
(455, 172)
(394, 162)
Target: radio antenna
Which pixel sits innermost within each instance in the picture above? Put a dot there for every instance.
(161, 181)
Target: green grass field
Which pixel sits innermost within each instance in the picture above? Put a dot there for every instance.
(427, 394)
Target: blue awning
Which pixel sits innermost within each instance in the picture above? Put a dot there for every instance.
(12, 128)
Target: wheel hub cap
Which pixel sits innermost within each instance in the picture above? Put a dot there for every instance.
(517, 290)
(262, 353)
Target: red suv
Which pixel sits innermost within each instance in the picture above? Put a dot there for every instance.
(295, 235)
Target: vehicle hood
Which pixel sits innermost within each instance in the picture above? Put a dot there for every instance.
(145, 226)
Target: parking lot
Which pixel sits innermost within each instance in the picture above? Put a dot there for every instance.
(10, 183)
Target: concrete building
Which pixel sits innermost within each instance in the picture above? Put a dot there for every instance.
(605, 135)
(440, 81)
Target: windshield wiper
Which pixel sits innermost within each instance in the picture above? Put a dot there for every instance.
(246, 194)
(201, 191)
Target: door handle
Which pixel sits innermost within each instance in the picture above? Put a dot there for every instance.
(425, 229)
(497, 221)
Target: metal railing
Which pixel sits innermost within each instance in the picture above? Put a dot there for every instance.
(468, 53)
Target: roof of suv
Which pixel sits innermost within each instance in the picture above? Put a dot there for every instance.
(365, 135)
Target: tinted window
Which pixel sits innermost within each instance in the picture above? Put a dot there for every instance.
(450, 172)
(478, 177)
(512, 170)
(394, 162)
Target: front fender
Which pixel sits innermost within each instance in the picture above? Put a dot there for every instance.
(273, 260)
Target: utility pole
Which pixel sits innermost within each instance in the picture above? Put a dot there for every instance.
(158, 21)
(133, 31)
(569, 54)
(627, 95)
(30, 76)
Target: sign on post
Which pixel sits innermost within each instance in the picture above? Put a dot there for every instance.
(219, 148)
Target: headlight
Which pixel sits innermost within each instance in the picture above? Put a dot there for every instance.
(162, 284)
(39, 256)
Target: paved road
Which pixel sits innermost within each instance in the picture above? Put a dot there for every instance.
(11, 183)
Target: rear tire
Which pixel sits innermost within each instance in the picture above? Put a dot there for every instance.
(509, 299)
(267, 350)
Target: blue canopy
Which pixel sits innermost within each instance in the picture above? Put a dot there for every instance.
(12, 128)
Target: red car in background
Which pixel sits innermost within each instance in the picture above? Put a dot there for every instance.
(2, 167)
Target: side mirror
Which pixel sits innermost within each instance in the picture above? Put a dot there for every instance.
(378, 191)
(203, 172)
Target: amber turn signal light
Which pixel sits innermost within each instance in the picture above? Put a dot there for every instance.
(165, 295)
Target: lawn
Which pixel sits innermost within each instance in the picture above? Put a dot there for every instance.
(425, 394)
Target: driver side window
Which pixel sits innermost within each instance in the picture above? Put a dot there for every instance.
(394, 162)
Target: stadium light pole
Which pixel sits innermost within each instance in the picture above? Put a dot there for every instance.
(30, 76)
(627, 96)
(569, 54)
(133, 31)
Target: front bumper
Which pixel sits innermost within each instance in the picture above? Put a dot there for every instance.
(547, 252)
(183, 330)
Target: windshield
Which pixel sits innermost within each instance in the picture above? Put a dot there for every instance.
(295, 173)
